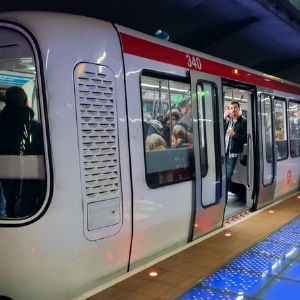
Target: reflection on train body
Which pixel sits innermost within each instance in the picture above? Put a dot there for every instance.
(112, 152)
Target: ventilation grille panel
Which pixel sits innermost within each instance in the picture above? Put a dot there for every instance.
(97, 130)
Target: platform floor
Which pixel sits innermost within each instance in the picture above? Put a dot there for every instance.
(179, 275)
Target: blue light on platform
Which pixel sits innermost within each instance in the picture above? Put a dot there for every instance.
(270, 270)
(293, 272)
(241, 283)
(282, 289)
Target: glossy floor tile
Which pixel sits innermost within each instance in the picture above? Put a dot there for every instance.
(259, 259)
(268, 270)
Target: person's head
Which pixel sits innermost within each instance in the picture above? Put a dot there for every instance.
(155, 126)
(15, 97)
(155, 142)
(179, 132)
(278, 120)
(175, 116)
(234, 109)
(279, 115)
(186, 107)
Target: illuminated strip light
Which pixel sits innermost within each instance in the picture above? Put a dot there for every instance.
(6, 79)
(235, 98)
(163, 88)
(237, 217)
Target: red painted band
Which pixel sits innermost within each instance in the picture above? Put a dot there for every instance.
(143, 48)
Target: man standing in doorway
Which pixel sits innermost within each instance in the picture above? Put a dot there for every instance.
(235, 137)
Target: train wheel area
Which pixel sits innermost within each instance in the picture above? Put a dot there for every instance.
(176, 276)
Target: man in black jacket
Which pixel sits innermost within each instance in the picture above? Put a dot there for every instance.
(235, 137)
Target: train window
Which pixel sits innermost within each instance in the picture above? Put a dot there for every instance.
(167, 126)
(267, 137)
(294, 124)
(280, 128)
(22, 159)
(209, 141)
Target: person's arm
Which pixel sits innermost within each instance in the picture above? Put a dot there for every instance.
(226, 122)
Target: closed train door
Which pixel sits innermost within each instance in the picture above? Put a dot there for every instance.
(267, 149)
(209, 200)
(173, 120)
(162, 165)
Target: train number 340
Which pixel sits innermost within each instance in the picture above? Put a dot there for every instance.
(193, 62)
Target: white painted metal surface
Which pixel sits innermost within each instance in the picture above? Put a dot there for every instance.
(79, 244)
(161, 215)
(51, 258)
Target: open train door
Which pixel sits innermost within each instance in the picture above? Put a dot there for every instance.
(209, 200)
(267, 150)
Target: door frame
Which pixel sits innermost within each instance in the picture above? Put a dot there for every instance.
(210, 217)
(265, 193)
(252, 185)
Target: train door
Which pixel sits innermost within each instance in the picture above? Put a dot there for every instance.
(240, 194)
(209, 200)
(162, 161)
(267, 150)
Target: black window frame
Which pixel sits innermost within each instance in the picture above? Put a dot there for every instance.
(217, 142)
(289, 127)
(191, 154)
(40, 90)
(286, 126)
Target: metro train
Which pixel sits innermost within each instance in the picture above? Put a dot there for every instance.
(98, 201)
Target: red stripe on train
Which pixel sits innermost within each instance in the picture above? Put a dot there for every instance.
(143, 48)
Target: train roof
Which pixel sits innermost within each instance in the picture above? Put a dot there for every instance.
(144, 45)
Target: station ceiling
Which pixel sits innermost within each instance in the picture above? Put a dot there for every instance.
(261, 34)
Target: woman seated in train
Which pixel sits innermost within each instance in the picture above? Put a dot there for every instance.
(181, 138)
(187, 119)
(155, 142)
(279, 124)
(170, 120)
(151, 126)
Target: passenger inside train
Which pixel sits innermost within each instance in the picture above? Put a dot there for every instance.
(155, 142)
(236, 162)
(186, 111)
(2, 198)
(294, 118)
(235, 137)
(170, 120)
(167, 126)
(20, 136)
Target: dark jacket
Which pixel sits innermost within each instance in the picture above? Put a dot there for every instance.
(187, 122)
(19, 133)
(240, 137)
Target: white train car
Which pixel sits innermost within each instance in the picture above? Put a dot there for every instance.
(95, 201)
